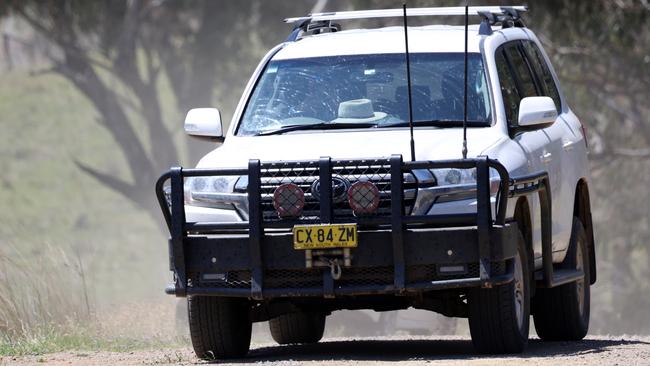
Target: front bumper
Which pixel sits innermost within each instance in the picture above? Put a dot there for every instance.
(396, 254)
(220, 264)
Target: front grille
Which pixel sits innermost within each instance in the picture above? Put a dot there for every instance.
(305, 174)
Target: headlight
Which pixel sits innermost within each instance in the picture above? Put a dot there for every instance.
(210, 184)
(215, 192)
(447, 177)
(454, 177)
(450, 185)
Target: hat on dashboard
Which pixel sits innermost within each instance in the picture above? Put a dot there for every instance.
(358, 111)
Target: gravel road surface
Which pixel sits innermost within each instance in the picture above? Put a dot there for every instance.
(376, 351)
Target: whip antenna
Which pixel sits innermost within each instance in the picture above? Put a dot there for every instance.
(465, 83)
(408, 82)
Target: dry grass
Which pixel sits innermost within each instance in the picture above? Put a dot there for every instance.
(37, 294)
(44, 303)
(45, 308)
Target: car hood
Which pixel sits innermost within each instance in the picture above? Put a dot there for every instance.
(430, 144)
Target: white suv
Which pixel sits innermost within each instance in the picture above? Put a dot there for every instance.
(322, 198)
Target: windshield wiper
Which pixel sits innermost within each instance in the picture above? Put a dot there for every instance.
(434, 123)
(317, 126)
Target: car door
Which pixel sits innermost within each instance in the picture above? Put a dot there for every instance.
(514, 87)
(563, 148)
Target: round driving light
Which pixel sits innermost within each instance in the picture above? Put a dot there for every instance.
(363, 198)
(288, 200)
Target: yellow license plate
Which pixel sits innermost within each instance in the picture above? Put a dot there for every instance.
(324, 236)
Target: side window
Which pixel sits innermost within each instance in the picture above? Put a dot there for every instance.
(523, 74)
(509, 90)
(543, 72)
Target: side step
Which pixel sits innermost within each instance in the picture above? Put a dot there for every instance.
(560, 277)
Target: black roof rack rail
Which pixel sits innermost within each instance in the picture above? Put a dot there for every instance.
(306, 25)
(510, 17)
(507, 16)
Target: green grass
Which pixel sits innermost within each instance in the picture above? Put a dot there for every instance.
(80, 340)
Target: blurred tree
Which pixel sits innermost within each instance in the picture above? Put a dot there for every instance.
(117, 53)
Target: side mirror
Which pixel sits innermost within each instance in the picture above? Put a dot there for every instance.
(536, 113)
(204, 123)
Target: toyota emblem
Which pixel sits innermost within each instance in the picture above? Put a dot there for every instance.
(340, 188)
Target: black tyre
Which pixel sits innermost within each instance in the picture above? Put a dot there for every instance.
(219, 327)
(499, 318)
(562, 313)
(298, 328)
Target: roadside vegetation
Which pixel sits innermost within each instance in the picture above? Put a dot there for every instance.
(45, 307)
(39, 301)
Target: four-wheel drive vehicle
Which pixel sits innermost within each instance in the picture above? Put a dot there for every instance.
(312, 204)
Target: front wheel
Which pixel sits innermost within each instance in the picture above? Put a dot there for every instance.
(562, 313)
(219, 327)
(499, 317)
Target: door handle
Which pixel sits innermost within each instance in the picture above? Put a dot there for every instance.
(568, 145)
(546, 157)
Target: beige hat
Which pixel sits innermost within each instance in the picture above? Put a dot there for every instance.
(358, 111)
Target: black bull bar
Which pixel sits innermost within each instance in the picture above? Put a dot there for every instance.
(399, 240)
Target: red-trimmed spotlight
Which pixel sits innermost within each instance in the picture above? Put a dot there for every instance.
(288, 200)
(363, 198)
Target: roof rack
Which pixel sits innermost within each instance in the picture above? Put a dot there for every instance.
(507, 16)
(511, 17)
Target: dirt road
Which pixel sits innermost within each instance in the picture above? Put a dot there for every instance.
(363, 352)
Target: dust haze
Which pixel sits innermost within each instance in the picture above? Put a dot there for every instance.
(92, 99)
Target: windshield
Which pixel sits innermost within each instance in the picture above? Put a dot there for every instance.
(366, 91)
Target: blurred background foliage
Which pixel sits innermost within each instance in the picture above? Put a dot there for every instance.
(93, 93)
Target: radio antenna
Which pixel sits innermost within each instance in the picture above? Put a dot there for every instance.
(408, 82)
(465, 82)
